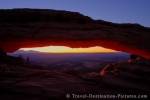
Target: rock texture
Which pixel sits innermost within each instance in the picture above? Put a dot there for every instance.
(35, 27)
(132, 74)
(23, 81)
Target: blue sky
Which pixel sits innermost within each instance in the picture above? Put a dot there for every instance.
(120, 11)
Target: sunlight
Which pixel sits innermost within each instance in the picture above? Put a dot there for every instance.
(65, 49)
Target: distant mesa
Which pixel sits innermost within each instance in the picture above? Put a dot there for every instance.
(21, 28)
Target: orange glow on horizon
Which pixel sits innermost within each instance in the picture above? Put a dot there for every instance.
(65, 49)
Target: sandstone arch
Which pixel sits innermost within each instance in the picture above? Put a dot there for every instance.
(35, 27)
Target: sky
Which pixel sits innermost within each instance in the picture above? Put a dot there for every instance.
(65, 49)
(119, 11)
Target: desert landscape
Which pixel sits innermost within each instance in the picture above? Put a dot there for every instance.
(34, 75)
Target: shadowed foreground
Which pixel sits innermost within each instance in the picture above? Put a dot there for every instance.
(21, 80)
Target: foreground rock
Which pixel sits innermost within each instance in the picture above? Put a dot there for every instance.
(133, 74)
(29, 82)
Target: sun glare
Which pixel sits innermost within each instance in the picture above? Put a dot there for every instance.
(65, 49)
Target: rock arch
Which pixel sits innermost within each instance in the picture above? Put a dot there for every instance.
(42, 27)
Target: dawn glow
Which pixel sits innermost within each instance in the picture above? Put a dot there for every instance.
(65, 49)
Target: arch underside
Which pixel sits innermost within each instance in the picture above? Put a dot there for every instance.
(76, 32)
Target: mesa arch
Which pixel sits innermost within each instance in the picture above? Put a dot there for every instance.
(21, 28)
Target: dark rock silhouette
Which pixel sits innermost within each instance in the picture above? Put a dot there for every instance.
(30, 82)
(133, 57)
(42, 27)
(133, 74)
(2, 52)
(4, 58)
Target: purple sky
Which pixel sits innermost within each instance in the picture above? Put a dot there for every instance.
(120, 11)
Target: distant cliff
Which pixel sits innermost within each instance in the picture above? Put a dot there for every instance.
(42, 27)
